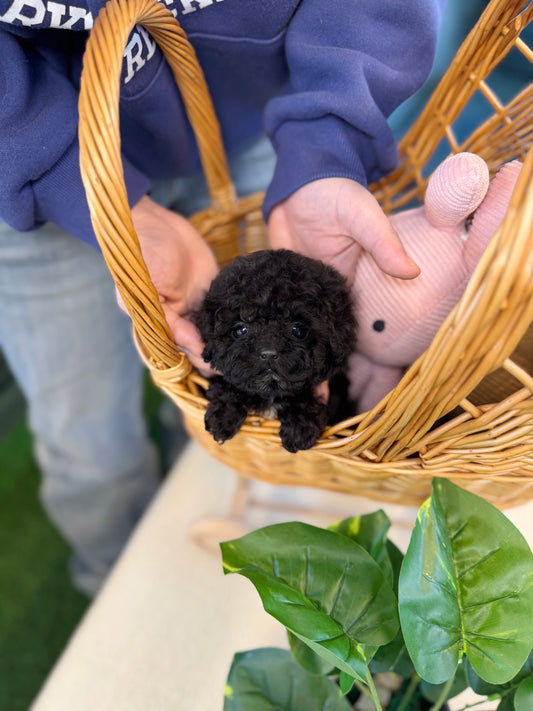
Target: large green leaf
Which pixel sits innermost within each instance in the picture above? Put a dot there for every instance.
(267, 679)
(466, 587)
(322, 586)
(370, 531)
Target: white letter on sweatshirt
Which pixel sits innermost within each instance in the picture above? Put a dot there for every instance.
(132, 55)
(149, 42)
(56, 10)
(77, 14)
(35, 9)
(188, 5)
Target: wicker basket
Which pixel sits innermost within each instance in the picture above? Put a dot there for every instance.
(391, 453)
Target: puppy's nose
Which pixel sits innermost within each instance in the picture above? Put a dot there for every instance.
(269, 355)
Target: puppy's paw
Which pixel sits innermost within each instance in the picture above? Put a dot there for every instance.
(302, 422)
(301, 436)
(223, 420)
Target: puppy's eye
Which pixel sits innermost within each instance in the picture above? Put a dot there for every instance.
(239, 330)
(299, 331)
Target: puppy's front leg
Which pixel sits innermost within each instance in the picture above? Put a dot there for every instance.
(226, 410)
(303, 420)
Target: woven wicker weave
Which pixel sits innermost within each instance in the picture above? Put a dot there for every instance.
(391, 453)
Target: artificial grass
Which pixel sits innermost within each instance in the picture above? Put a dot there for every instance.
(39, 608)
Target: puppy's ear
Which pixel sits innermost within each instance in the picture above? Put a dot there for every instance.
(342, 342)
(338, 314)
(204, 318)
(213, 321)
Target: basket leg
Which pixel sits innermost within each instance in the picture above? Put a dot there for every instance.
(209, 531)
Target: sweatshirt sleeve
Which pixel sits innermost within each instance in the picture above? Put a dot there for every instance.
(350, 65)
(40, 177)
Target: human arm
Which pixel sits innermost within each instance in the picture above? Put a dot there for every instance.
(349, 69)
(40, 181)
(40, 177)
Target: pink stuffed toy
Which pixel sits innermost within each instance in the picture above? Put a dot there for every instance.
(396, 319)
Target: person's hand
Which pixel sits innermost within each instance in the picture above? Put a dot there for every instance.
(332, 219)
(181, 267)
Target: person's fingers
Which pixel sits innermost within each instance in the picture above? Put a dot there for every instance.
(120, 301)
(366, 223)
(279, 231)
(188, 340)
(187, 336)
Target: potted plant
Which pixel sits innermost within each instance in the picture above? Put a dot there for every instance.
(368, 624)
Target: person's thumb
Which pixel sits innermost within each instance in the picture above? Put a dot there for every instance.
(364, 220)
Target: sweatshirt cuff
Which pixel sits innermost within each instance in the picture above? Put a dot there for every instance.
(325, 148)
(60, 196)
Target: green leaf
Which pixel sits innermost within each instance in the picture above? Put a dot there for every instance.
(507, 702)
(523, 698)
(370, 531)
(267, 679)
(466, 587)
(396, 558)
(309, 660)
(483, 688)
(322, 586)
(393, 656)
(345, 682)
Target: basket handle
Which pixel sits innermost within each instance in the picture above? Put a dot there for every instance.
(101, 164)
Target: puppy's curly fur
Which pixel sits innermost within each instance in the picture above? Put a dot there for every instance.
(276, 324)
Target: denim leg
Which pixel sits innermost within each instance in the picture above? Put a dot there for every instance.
(70, 349)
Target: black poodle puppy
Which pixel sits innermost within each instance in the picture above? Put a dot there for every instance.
(276, 324)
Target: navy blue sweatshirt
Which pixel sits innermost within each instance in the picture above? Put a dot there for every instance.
(319, 76)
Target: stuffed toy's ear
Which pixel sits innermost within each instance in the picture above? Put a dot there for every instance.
(491, 212)
(455, 190)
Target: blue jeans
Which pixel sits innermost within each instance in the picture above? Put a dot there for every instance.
(69, 347)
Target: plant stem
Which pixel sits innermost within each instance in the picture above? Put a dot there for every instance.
(413, 684)
(476, 703)
(362, 688)
(443, 694)
(371, 686)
